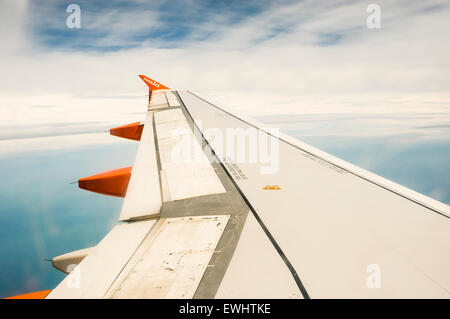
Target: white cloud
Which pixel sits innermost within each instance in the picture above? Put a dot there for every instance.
(272, 62)
(44, 144)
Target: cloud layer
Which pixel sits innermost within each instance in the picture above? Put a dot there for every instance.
(259, 57)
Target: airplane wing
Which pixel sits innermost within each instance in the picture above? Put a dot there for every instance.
(218, 206)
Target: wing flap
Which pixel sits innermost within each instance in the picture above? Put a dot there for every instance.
(186, 171)
(143, 196)
(98, 270)
(158, 100)
(172, 99)
(172, 259)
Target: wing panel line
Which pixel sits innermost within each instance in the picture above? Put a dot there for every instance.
(257, 217)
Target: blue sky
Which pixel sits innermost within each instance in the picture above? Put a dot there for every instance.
(42, 215)
(313, 48)
(379, 98)
(136, 23)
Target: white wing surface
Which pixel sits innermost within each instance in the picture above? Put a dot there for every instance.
(202, 221)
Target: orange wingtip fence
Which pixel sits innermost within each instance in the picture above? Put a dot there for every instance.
(152, 84)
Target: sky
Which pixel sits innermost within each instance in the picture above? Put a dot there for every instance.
(379, 98)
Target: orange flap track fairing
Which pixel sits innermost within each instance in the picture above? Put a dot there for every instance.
(131, 131)
(113, 183)
(32, 295)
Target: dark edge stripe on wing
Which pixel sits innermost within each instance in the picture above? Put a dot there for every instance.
(255, 214)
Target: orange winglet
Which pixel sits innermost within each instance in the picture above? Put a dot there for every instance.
(33, 295)
(131, 131)
(153, 85)
(113, 183)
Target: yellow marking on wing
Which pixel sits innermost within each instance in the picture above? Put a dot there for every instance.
(274, 187)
